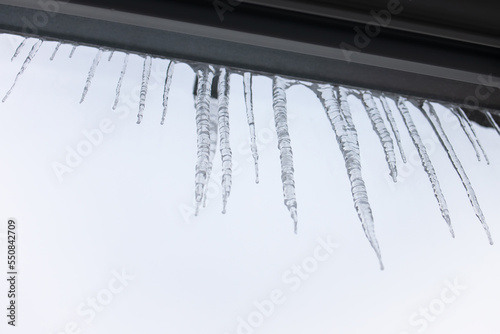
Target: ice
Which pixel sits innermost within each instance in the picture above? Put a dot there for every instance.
(19, 48)
(28, 60)
(146, 73)
(382, 133)
(91, 74)
(433, 118)
(120, 81)
(284, 145)
(168, 82)
(55, 51)
(394, 126)
(247, 86)
(426, 161)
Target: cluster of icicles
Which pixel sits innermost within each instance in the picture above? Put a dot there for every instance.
(212, 126)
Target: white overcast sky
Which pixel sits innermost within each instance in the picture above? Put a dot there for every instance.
(126, 206)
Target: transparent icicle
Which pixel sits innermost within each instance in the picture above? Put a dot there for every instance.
(120, 81)
(491, 120)
(247, 86)
(348, 144)
(166, 91)
(146, 73)
(426, 162)
(91, 74)
(19, 48)
(111, 55)
(205, 77)
(213, 133)
(284, 145)
(471, 127)
(394, 126)
(225, 147)
(55, 51)
(467, 130)
(28, 60)
(383, 134)
(73, 51)
(433, 119)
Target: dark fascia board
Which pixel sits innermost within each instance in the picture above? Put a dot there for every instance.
(274, 41)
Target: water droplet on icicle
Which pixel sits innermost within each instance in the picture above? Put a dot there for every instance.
(225, 147)
(146, 73)
(394, 126)
(382, 133)
(91, 74)
(348, 143)
(284, 145)
(19, 48)
(55, 51)
(28, 60)
(426, 161)
(247, 86)
(166, 91)
(205, 77)
(433, 119)
(120, 81)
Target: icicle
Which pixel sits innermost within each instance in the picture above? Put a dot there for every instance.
(433, 118)
(73, 51)
(111, 55)
(467, 130)
(28, 60)
(348, 144)
(90, 76)
(205, 77)
(120, 81)
(383, 134)
(146, 73)
(213, 133)
(225, 147)
(394, 126)
(19, 48)
(491, 120)
(469, 123)
(168, 82)
(247, 85)
(426, 161)
(55, 51)
(284, 145)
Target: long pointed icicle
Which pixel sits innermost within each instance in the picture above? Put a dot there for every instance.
(213, 133)
(225, 147)
(491, 120)
(394, 126)
(433, 118)
(91, 74)
(383, 134)
(73, 51)
(205, 77)
(120, 81)
(284, 145)
(349, 147)
(467, 130)
(19, 48)
(55, 51)
(247, 86)
(426, 162)
(28, 60)
(166, 91)
(146, 73)
(471, 127)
